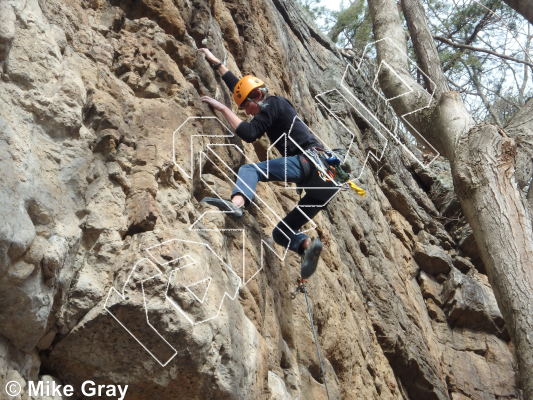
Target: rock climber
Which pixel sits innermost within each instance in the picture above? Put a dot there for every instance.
(273, 115)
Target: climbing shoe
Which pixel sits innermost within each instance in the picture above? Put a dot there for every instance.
(310, 258)
(224, 205)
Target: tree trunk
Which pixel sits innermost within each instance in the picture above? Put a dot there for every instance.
(482, 162)
(483, 176)
(428, 57)
(520, 128)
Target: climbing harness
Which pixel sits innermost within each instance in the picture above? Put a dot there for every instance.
(329, 168)
(301, 288)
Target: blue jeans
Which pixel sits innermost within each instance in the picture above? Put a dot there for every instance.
(290, 169)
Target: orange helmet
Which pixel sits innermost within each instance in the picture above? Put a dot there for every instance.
(244, 87)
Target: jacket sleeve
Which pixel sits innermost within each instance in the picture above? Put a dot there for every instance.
(230, 80)
(250, 131)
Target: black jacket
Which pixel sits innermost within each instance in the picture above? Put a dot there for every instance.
(276, 117)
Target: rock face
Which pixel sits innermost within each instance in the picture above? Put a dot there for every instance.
(111, 269)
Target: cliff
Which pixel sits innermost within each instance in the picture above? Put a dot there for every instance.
(104, 157)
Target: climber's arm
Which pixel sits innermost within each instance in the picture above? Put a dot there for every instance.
(227, 76)
(229, 115)
(222, 69)
(230, 79)
(248, 131)
(260, 123)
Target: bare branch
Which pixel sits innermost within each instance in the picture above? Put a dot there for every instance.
(526, 70)
(468, 47)
(479, 26)
(457, 87)
(474, 74)
(514, 75)
(503, 98)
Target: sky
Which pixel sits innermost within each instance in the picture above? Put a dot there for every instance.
(332, 4)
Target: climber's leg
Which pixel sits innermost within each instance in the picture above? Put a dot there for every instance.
(310, 258)
(286, 231)
(278, 169)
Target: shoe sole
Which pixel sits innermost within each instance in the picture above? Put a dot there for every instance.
(221, 206)
(310, 262)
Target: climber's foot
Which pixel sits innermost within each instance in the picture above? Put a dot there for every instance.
(224, 205)
(310, 258)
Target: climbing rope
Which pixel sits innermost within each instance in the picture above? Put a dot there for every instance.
(302, 289)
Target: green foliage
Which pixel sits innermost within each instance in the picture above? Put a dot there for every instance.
(315, 11)
(352, 26)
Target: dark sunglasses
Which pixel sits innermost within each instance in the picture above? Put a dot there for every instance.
(253, 96)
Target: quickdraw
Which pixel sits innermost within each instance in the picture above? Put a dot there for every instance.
(360, 191)
(300, 287)
(329, 169)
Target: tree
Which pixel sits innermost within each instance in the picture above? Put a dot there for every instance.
(483, 47)
(481, 157)
(484, 51)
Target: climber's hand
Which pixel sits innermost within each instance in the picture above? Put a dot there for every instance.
(217, 105)
(209, 56)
